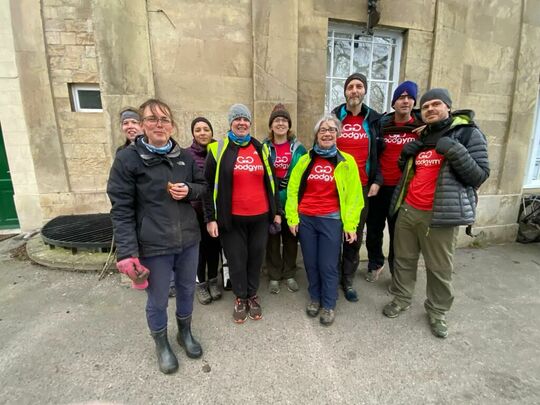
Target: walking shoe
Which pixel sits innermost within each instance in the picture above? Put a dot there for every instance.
(392, 310)
(373, 275)
(350, 293)
(202, 293)
(240, 310)
(255, 311)
(273, 287)
(213, 289)
(172, 291)
(313, 309)
(327, 317)
(292, 285)
(438, 327)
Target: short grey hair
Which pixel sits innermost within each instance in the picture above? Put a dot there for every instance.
(325, 118)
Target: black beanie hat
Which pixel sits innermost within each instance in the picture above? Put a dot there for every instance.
(355, 76)
(437, 94)
(279, 111)
(201, 119)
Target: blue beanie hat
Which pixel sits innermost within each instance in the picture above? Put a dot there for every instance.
(409, 87)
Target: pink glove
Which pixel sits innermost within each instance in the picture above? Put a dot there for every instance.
(133, 268)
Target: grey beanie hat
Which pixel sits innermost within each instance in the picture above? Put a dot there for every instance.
(437, 94)
(239, 111)
(129, 113)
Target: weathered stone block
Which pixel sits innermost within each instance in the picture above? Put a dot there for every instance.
(53, 37)
(84, 38)
(68, 38)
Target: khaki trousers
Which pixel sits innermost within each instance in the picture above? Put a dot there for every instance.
(412, 236)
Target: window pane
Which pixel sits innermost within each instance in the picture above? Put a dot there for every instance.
(377, 92)
(342, 57)
(362, 53)
(89, 99)
(329, 57)
(380, 64)
(336, 93)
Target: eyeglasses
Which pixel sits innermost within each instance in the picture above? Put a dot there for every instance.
(154, 120)
(331, 130)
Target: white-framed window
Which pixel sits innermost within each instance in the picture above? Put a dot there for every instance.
(85, 97)
(350, 50)
(532, 177)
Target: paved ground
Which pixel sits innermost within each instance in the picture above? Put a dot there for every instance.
(67, 338)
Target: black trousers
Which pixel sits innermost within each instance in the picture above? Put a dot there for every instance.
(376, 221)
(209, 250)
(244, 245)
(350, 256)
(281, 266)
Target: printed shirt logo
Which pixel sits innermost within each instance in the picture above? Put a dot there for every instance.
(246, 163)
(428, 158)
(322, 173)
(353, 131)
(282, 162)
(399, 139)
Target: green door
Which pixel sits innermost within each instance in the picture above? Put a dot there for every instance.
(8, 214)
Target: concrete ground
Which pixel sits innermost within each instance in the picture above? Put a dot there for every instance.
(67, 338)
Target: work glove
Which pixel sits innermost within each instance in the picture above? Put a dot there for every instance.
(411, 149)
(444, 144)
(133, 268)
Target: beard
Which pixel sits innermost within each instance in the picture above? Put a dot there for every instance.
(354, 102)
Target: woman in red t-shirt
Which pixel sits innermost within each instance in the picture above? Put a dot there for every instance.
(240, 204)
(324, 201)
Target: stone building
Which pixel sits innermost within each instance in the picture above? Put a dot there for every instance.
(203, 55)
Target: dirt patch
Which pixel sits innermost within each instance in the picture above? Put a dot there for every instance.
(19, 253)
(4, 237)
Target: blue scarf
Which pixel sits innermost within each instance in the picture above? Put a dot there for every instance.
(239, 140)
(325, 153)
(162, 150)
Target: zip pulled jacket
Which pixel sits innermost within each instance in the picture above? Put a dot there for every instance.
(297, 150)
(372, 127)
(351, 200)
(147, 221)
(218, 172)
(465, 167)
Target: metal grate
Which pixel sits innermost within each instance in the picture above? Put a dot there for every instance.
(90, 232)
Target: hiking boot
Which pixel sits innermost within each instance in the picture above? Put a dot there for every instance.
(438, 327)
(373, 275)
(202, 293)
(213, 289)
(292, 285)
(255, 311)
(350, 293)
(327, 317)
(240, 310)
(313, 309)
(392, 310)
(273, 287)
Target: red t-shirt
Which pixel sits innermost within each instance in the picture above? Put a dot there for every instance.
(393, 145)
(354, 140)
(248, 190)
(283, 159)
(320, 196)
(422, 187)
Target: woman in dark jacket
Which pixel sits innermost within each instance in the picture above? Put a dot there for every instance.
(240, 204)
(209, 248)
(150, 187)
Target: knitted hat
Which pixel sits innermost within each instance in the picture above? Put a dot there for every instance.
(201, 119)
(406, 87)
(239, 111)
(437, 94)
(355, 76)
(279, 111)
(129, 113)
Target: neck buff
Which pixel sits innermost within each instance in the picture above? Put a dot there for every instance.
(162, 150)
(325, 153)
(239, 140)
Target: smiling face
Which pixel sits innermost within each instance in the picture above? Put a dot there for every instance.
(202, 133)
(280, 127)
(434, 111)
(240, 126)
(131, 128)
(157, 125)
(327, 134)
(354, 93)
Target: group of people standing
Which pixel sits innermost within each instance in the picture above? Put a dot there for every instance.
(174, 209)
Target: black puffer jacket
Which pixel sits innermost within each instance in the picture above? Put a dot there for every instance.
(147, 221)
(465, 167)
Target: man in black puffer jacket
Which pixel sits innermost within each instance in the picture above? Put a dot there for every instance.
(437, 193)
